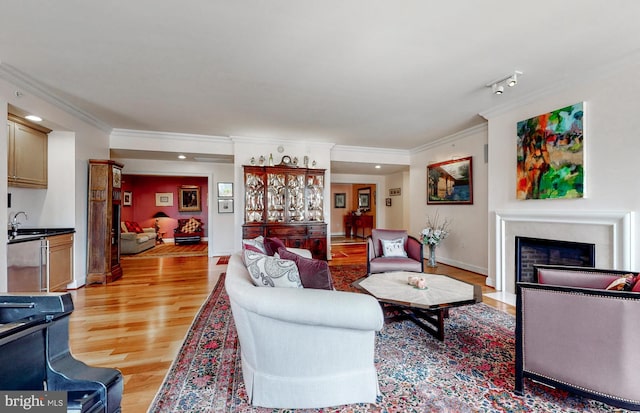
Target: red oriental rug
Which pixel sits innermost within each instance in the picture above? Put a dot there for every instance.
(472, 371)
(224, 260)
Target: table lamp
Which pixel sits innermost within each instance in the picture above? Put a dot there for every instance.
(157, 216)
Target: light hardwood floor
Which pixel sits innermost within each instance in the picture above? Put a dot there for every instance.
(138, 323)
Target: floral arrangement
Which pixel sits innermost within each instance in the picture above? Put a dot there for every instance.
(435, 231)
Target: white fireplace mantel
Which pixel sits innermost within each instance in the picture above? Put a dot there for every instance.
(614, 231)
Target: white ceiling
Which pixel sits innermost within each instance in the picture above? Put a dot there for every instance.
(374, 73)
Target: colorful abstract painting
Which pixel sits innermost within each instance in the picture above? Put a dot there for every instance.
(551, 155)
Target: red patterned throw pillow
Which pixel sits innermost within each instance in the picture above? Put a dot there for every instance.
(191, 226)
(636, 285)
(625, 283)
(133, 226)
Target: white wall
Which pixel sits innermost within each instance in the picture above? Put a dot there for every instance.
(611, 151)
(395, 214)
(466, 246)
(64, 203)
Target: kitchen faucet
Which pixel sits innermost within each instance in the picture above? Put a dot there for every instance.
(15, 224)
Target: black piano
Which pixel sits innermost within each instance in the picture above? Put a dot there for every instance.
(34, 354)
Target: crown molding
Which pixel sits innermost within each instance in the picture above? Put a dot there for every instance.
(276, 141)
(371, 149)
(144, 134)
(483, 127)
(37, 88)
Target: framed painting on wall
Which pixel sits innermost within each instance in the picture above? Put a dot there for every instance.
(550, 155)
(164, 199)
(364, 198)
(189, 198)
(450, 182)
(127, 198)
(225, 189)
(225, 206)
(340, 200)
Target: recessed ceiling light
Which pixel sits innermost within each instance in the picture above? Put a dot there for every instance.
(34, 118)
(378, 166)
(182, 157)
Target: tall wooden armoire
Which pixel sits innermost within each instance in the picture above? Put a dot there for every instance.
(103, 227)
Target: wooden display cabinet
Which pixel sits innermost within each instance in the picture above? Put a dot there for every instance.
(286, 202)
(103, 237)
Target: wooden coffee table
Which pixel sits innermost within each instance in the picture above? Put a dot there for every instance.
(427, 308)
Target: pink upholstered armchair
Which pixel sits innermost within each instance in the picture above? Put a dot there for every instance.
(574, 334)
(378, 261)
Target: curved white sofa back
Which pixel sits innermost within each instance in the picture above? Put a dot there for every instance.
(304, 348)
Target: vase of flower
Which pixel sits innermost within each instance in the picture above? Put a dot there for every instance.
(433, 235)
(432, 256)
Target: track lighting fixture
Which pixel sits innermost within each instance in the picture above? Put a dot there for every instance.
(497, 86)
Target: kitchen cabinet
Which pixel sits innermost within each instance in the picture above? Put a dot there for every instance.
(27, 153)
(60, 261)
(286, 202)
(40, 260)
(103, 227)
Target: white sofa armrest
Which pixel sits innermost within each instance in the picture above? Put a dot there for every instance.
(149, 231)
(128, 235)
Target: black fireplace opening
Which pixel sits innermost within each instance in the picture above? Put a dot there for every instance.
(530, 251)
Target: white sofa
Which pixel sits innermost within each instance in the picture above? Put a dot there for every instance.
(133, 243)
(304, 348)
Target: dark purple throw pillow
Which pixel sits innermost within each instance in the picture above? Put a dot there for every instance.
(313, 273)
(271, 245)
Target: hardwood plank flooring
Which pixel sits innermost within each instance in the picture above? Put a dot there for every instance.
(138, 323)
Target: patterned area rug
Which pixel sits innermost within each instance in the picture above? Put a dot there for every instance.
(172, 250)
(472, 371)
(223, 260)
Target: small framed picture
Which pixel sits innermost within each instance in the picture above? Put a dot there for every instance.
(388, 201)
(164, 199)
(126, 198)
(225, 206)
(225, 189)
(340, 200)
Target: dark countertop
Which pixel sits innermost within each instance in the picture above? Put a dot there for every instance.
(30, 234)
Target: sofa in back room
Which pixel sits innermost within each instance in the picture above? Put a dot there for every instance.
(135, 239)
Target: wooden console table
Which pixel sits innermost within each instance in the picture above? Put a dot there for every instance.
(357, 222)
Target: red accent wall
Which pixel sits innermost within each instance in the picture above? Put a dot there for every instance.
(143, 200)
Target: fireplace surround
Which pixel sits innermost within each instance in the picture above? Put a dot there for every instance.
(609, 231)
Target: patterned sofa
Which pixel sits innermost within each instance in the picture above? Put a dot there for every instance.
(188, 231)
(577, 331)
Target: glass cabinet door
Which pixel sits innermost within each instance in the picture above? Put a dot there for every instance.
(254, 195)
(315, 198)
(295, 197)
(276, 196)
